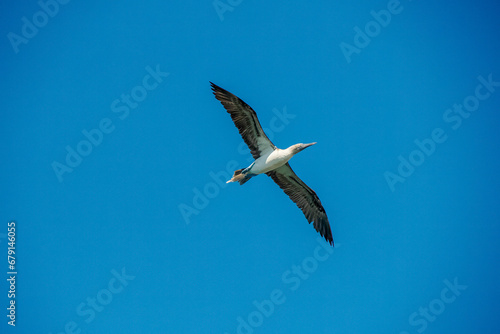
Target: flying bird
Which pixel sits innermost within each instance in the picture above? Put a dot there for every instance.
(272, 161)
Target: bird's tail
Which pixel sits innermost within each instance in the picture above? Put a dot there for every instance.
(240, 176)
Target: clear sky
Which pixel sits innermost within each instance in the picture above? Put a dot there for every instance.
(115, 154)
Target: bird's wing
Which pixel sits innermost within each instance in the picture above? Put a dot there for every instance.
(305, 198)
(245, 120)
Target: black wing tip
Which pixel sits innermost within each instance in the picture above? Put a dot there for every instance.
(216, 88)
(220, 92)
(330, 241)
(323, 228)
(328, 237)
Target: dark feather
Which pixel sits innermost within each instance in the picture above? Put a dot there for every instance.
(245, 120)
(305, 198)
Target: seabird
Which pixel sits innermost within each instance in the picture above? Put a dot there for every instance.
(272, 161)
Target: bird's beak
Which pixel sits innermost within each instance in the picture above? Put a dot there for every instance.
(307, 145)
(304, 146)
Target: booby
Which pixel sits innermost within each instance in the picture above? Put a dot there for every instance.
(272, 161)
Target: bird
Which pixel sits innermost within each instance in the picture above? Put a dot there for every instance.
(272, 161)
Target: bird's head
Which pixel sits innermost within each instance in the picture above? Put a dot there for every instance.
(299, 147)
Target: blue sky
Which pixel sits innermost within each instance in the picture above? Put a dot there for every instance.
(115, 152)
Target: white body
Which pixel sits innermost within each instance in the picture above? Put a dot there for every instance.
(270, 161)
(271, 158)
